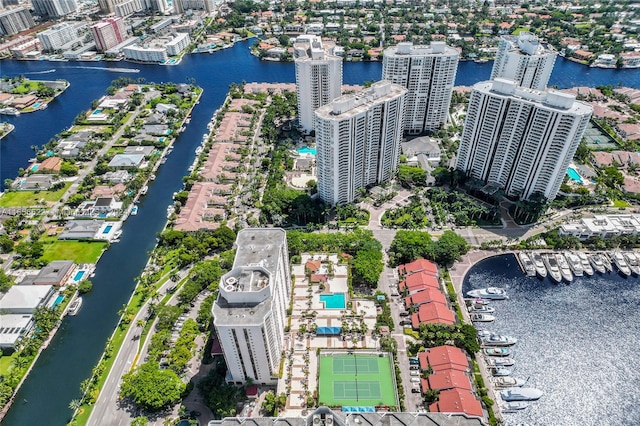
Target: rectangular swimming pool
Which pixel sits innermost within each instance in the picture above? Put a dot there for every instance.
(78, 276)
(107, 229)
(58, 301)
(333, 301)
(574, 175)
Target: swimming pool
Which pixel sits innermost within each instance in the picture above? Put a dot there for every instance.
(107, 229)
(333, 301)
(306, 150)
(574, 175)
(96, 111)
(36, 105)
(34, 167)
(58, 301)
(78, 276)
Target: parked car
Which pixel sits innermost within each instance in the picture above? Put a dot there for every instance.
(414, 361)
(415, 390)
(414, 373)
(405, 322)
(404, 314)
(415, 379)
(414, 367)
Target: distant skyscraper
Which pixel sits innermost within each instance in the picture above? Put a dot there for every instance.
(521, 140)
(109, 33)
(14, 20)
(54, 8)
(249, 314)
(525, 60)
(318, 77)
(358, 141)
(428, 73)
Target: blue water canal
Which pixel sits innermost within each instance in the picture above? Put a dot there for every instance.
(68, 360)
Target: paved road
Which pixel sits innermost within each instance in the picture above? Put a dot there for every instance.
(107, 410)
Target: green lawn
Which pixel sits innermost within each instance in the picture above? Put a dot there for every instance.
(78, 251)
(5, 363)
(520, 29)
(620, 203)
(25, 87)
(31, 198)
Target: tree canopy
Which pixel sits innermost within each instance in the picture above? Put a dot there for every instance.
(408, 246)
(152, 388)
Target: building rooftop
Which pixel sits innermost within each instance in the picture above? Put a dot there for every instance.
(439, 48)
(352, 104)
(527, 43)
(54, 273)
(457, 401)
(24, 297)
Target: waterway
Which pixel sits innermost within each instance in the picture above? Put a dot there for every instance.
(68, 360)
(578, 343)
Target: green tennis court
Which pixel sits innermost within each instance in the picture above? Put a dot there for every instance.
(356, 380)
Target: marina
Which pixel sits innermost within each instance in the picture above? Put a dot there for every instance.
(567, 265)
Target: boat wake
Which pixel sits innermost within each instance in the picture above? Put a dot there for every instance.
(40, 72)
(127, 70)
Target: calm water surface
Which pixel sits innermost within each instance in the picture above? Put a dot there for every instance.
(578, 343)
(76, 348)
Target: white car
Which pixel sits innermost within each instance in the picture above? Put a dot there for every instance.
(414, 372)
(415, 379)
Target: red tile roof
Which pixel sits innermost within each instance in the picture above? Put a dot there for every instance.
(419, 265)
(419, 281)
(313, 265)
(429, 294)
(448, 379)
(435, 312)
(457, 401)
(318, 278)
(447, 357)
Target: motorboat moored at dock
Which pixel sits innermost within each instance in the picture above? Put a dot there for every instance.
(501, 362)
(586, 265)
(491, 339)
(632, 261)
(552, 266)
(75, 306)
(482, 317)
(541, 270)
(621, 263)
(574, 263)
(514, 406)
(508, 382)
(565, 269)
(597, 260)
(527, 265)
(521, 394)
(497, 351)
(481, 309)
(500, 371)
(490, 293)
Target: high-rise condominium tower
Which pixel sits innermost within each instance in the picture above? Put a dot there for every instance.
(250, 311)
(525, 60)
(109, 33)
(428, 73)
(520, 140)
(358, 141)
(54, 8)
(318, 77)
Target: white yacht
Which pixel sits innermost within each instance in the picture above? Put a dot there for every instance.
(565, 269)
(597, 262)
(481, 309)
(501, 362)
(10, 111)
(527, 265)
(552, 266)
(586, 266)
(632, 261)
(621, 263)
(500, 372)
(514, 406)
(508, 382)
(491, 339)
(75, 306)
(482, 317)
(541, 270)
(574, 263)
(521, 394)
(490, 293)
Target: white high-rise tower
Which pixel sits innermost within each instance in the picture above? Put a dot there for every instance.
(358, 141)
(318, 77)
(428, 73)
(525, 60)
(520, 140)
(249, 314)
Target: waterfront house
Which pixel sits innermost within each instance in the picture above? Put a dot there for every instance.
(25, 299)
(13, 327)
(432, 313)
(424, 296)
(33, 182)
(100, 207)
(443, 358)
(69, 148)
(603, 226)
(81, 230)
(118, 176)
(108, 190)
(23, 101)
(457, 401)
(419, 265)
(156, 129)
(51, 164)
(121, 161)
(55, 273)
(449, 379)
(145, 150)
